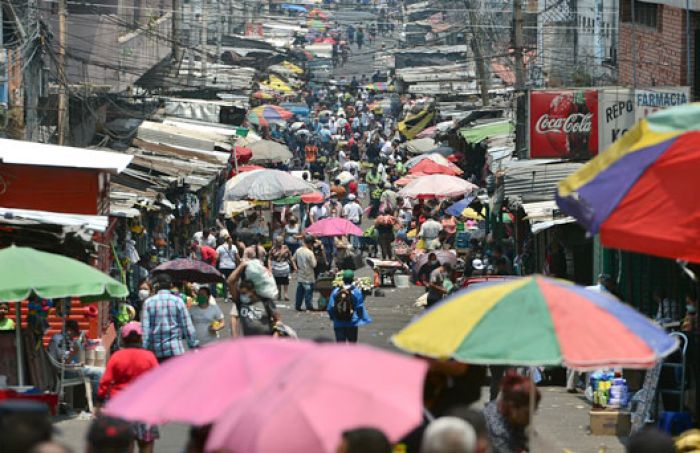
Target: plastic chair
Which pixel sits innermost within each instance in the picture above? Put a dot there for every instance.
(79, 378)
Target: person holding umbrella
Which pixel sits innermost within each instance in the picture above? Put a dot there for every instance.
(346, 308)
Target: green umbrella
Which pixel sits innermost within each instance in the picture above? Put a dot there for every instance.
(50, 276)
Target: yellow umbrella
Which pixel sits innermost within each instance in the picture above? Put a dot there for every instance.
(277, 84)
(292, 67)
(470, 213)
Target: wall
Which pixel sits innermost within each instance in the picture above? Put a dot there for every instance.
(50, 189)
(661, 58)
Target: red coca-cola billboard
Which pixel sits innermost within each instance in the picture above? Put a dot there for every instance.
(564, 123)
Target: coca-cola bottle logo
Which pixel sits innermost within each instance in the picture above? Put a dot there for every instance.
(574, 123)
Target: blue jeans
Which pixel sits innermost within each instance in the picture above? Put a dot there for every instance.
(305, 292)
(345, 334)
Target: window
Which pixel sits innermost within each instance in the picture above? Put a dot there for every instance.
(645, 14)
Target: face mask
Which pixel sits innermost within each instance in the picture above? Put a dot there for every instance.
(143, 294)
(245, 299)
(690, 308)
(201, 300)
(433, 262)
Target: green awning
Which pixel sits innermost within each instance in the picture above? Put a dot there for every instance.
(294, 199)
(477, 134)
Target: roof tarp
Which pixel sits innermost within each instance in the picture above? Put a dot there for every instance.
(479, 133)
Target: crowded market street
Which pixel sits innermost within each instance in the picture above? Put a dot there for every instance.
(344, 226)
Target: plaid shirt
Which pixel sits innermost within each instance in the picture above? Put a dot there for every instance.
(166, 322)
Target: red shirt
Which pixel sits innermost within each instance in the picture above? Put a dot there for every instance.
(123, 367)
(208, 255)
(352, 187)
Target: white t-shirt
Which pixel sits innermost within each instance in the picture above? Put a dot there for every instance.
(319, 212)
(352, 212)
(227, 256)
(209, 241)
(430, 229)
(306, 262)
(342, 158)
(202, 319)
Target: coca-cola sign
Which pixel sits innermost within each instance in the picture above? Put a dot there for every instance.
(564, 123)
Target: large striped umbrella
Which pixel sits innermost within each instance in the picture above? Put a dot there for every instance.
(537, 321)
(638, 194)
(266, 114)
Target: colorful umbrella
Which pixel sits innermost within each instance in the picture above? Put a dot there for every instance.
(437, 158)
(185, 269)
(266, 114)
(457, 208)
(317, 13)
(263, 95)
(429, 167)
(292, 67)
(334, 226)
(265, 185)
(331, 389)
(313, 198)
(430, 132)
(537, 321)
(638, 194)
(316, 25)
(242, 154)
(276, 84)
(437, 186)
(170, 393)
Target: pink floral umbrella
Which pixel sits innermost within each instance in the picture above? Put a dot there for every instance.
(334, 226)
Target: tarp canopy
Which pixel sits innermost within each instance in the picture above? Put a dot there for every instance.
(481, 132)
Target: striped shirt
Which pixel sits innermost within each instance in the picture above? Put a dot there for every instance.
(166, 322)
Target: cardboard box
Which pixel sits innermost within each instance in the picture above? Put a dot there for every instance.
(610, 423)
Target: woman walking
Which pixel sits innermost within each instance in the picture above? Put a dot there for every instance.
(281, 264)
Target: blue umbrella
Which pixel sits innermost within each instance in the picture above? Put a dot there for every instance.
(457, 208)
(298, 8)
(296, 108)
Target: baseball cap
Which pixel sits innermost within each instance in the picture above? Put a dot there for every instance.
(133, 326)
(348, 275)
(478, 264)
(351, 197)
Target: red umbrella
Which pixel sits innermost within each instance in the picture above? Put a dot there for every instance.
(312, 198)
(242, 154)
(430, 167)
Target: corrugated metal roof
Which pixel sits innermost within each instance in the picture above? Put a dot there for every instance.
(532, 180)
(45, 155)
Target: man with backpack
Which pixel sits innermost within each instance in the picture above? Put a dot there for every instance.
(346, 309)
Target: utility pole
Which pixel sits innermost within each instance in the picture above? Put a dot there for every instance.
(63, 82)
(205, 26)
(520, 91)
(219, 30)
(175, 32)
(475, 45)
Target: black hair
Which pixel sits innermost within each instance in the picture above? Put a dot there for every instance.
(73, 325)
(163, 281)
(366, 440)
(205, 289)
(471, 416)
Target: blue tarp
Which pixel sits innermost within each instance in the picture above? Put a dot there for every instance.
(298, 8)
(296, 108)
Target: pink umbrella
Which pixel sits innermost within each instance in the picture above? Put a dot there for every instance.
(197, 387)
(327, 391)
(313, 198)
(334, 226)
(437, 186)
(428, 133)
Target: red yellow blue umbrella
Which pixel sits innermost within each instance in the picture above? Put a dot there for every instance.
(266, 114)
(537, 321)
(639, 194)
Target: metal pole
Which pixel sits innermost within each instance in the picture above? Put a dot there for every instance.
(175, 31)
(63, 81)
(634, 45)
(205, 26)
(219, 30)
(687, 43)
(520, 92)
(18, 343)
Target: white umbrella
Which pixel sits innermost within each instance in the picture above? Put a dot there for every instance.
(438, 186)
(267, 151)
(266, 185)
(345, 177)
(420, 145)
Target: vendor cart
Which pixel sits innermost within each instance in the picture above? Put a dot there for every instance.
(385, 270)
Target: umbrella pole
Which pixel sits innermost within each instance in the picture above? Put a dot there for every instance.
(18, 343)
(533, 390)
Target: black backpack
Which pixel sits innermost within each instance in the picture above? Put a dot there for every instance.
(344, 306)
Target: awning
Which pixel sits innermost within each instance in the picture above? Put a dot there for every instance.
(476, 134)
(95, 223)
(544, 214)
(46, 155)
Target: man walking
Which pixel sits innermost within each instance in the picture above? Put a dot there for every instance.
(166, 322)
(346, 308)
(306, 262)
